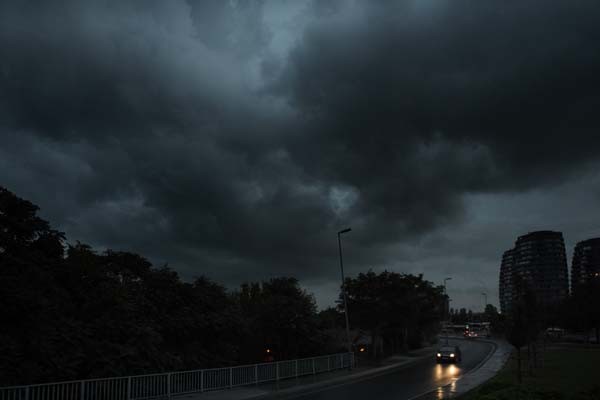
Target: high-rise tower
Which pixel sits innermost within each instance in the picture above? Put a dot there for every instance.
(539, 259)
(506, 292)
(585, 265)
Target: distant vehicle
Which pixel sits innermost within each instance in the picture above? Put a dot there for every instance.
(555, 333)
(448, 354)
(470, 334)
(477, 329)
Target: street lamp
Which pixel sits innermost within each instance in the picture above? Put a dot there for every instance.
(445, 280)
(485, 299)
(339, 234)
(446, 306)
(446, 299)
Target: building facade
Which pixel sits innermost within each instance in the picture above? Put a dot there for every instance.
(506, 287)
(585, 265)
(539, 259)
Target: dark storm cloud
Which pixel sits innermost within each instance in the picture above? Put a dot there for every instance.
(416, 103)
(182, 157)
(234, 138)
(442, 98)
(234, 26)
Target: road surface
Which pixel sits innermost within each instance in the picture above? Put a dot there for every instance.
(407, 382)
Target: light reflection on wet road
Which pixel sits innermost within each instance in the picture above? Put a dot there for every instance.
(407, 382)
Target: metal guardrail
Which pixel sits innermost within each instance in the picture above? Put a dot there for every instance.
(166, 385)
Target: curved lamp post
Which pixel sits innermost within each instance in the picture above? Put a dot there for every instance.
(446, 305)
(339, 234)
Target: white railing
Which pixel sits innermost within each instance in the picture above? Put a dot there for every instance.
(166, 385)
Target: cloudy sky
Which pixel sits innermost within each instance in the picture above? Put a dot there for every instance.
(233, 139)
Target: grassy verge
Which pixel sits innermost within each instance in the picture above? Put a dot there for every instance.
(570, 372)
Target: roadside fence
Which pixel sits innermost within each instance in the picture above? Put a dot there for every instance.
(169, 384)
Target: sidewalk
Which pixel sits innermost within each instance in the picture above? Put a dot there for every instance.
(312, 382)
(486, 370)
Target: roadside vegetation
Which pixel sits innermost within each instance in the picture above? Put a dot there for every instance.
(397, 311)
(563, 372)
(71, 312)
(543, 365)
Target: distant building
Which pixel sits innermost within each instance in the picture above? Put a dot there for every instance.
(506, 268)
(538, 258)
(586, 264)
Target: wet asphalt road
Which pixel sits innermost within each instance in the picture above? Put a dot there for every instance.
(407, 382)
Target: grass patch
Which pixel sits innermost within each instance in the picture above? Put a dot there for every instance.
(571, 372)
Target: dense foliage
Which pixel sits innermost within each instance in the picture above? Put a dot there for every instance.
(581, 312)
(70, 312)
(399, 311)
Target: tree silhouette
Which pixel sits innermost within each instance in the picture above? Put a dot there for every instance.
(71, 312)
(282, 317)
(522, 323)
(85, 314)
(399, 310)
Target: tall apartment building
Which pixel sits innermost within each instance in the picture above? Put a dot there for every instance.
(586, 264)
(506, 287)
(539, 258)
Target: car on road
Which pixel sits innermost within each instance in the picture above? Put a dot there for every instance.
(470, 335)
(449, 354)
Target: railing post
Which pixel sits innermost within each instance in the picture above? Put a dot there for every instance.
(27, 393)
(168, 385)
(230, 377)
(328, 363)
(296, 368)
(313, 366)
(256, 374)
(277, 371)
(82, 390)
(129, 396)
(201, 380)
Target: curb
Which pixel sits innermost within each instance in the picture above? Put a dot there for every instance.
(474, 369)
(486, 359)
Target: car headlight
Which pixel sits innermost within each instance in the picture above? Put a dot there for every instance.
(439, 355)
(451, 354)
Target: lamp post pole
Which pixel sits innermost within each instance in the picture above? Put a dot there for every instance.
(485, 301)
(344, 289)
(446, 305)
(445, 280)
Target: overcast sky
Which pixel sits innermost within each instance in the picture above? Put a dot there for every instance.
(233, 139)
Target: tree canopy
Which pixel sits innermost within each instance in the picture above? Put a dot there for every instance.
(71, 312)
(398, 310)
